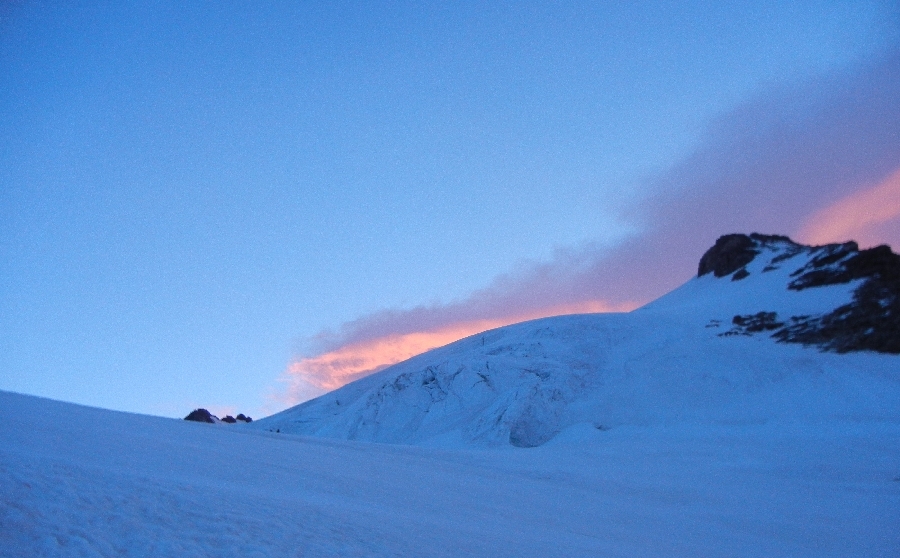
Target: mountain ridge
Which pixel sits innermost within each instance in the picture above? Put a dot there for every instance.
(870, 321)
(714, 350)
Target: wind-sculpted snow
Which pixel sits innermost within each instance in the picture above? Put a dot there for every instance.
(701, 353)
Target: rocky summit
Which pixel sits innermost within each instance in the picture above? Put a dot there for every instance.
(869, 321)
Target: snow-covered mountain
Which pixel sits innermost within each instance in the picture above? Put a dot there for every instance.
(768, 330)
(674, 430)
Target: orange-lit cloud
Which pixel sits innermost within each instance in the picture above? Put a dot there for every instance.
(857, 216)
(767, 167)
(350, 362)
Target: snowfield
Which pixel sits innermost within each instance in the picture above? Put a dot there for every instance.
(78, 481)
(642, 434)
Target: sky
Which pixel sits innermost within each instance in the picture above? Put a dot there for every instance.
(240, 205)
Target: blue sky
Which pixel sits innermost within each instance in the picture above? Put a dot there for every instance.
(192, 198)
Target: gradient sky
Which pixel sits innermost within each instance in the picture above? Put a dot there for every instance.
(237, 205)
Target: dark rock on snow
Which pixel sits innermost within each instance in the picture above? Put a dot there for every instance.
(754, 323)
(870, 322)
(201, 415)
(730, 253)
(842, 263)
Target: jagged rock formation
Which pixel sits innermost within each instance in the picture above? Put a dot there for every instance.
(871, 321)
(732, 252)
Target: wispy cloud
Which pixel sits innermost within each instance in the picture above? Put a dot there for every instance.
(774, 165)
(350, 361)
(865, 216)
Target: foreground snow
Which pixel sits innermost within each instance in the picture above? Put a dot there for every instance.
(77, 481)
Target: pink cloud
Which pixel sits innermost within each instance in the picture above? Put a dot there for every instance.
(770, 165)
(865, 216)
(351, 361)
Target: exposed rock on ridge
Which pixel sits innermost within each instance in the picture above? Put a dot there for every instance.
(732, 252)
(871, 321)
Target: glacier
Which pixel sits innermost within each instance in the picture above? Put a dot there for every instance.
(677, 359)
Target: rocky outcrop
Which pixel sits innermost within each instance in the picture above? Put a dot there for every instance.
(841, 263)
(732, 252)
(202, 415)
(754, 323)
(870, 322)
(240, 418)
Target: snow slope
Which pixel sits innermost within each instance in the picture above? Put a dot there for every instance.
(665, 363)
(77, 481)
(642, 434)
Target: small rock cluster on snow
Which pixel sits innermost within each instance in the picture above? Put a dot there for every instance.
(202, 415)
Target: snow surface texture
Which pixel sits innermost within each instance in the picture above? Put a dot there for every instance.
(676, 360)
(648, 434)
(76, 481)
